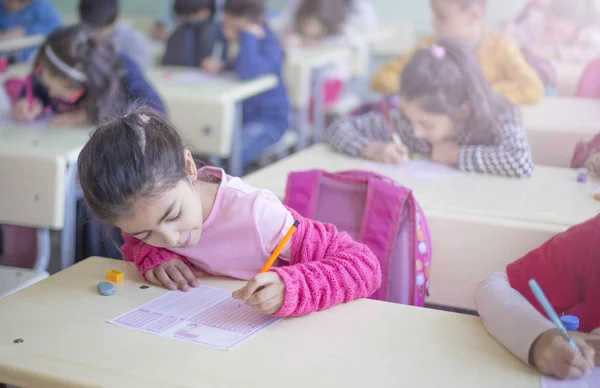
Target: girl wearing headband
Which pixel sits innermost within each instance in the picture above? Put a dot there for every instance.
(448, 114)
(82, 80)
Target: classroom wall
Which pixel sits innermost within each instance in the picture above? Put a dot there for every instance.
(417, 11)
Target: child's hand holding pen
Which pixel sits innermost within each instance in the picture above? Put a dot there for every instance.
(24, 110)
(265, 292)
(553, 356)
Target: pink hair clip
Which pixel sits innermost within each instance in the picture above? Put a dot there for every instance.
(437, 51)
(144, 118)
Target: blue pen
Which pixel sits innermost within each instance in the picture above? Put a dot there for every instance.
(541, 297)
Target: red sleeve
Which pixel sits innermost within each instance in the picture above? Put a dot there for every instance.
(327, 268)
(146, 256)
(589, 84)
(559, 266)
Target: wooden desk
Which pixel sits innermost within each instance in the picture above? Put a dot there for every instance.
(68, 342)
(38, 176)
(479, 223)
(556, 125)
(208, 113)
(305, 77)
(12, 45)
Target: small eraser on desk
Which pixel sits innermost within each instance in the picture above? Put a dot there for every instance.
(115, 276)
(106, 288)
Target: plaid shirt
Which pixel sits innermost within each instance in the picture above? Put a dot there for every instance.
(509, 154)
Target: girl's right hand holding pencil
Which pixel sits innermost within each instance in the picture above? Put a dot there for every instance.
(553, 356)
(24, 111)
(388, 153)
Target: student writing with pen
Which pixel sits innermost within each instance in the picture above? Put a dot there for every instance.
(567, 268)
(182, 218)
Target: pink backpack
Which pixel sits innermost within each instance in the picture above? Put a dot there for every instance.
(378, 212)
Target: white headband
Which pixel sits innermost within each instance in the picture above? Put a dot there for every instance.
(68, 70)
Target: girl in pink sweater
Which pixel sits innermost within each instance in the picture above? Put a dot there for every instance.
(181, 219)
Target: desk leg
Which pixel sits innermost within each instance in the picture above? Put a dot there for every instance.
(44, 248)
(68, 235)
(302, 126)
(319, 105)
(236, 167)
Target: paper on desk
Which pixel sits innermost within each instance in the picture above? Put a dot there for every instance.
(591, 381)
(198, 77)
(418, 169)
(206, 315)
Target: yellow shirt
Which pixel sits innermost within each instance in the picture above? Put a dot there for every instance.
(501, 60)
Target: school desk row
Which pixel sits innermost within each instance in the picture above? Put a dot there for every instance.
(479, 223)
(55, 334)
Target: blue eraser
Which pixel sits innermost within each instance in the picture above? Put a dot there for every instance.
(106, 288)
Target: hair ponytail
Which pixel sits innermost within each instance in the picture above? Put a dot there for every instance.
(447, 76)
(77, 50)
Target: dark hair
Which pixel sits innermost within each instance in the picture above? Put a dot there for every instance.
(189, 7)
(251, 9)
(443, 78)
(98, 13)
(138, 155)
(331, 13)
(78, 48)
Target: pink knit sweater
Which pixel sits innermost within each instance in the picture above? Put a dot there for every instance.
(327, 267)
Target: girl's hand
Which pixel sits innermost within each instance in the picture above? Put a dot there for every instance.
(388, 153)
(71, 119)
(265, 292)
(174, 274)
(22, 112)
(553, 356)
(254, 29)
(445, 153)
(213, 66)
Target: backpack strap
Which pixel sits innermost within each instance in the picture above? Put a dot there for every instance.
(302, 192)
(381, 220)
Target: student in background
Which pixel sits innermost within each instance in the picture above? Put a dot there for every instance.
(251, 49)
(102, 16)
(20, 18)
(178, 215)
(80, 78)
(194, 38)
(448, 113)
(332, 22)
(503, 64)
(567, 268)
(559, 30)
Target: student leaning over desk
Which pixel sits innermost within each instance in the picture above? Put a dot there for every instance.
(567, 268)
(448, 113)
(181, 218)
(501, 59)
(81, 79)
(251, 50)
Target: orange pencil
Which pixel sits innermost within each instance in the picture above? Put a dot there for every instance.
(277, 251)
(280, 247)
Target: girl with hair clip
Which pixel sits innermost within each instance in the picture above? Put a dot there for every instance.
(178, 216)
(82, 80)
(448, 113)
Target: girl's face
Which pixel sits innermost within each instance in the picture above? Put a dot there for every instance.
(432, 127)
(312, 29)
(59, 87)
(232, 25)
(174, 218)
